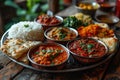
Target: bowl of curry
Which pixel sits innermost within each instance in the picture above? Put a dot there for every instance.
(87, 50)
(48, 56)
(60, 34)
(109, 19)
(107, 6)
(47, 21)
(87, 7)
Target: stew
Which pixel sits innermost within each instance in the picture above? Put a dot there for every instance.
(48, 20)
(61, 33)
(87, 48)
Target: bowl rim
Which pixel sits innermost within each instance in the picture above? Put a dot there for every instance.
(72, 29)
(99, 41)
(47, 43)
(58, 17)
(108, 16)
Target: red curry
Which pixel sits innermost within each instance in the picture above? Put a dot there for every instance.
(48, 20)
(87, 48)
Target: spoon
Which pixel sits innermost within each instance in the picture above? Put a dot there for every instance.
(49, 13)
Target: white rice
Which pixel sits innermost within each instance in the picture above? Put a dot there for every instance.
(27, 30)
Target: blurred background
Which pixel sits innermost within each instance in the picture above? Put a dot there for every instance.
(13, 11)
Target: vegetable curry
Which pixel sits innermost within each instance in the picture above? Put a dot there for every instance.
(61, 33)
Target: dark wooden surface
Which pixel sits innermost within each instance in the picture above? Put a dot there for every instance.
(11, 71)
(110, 70)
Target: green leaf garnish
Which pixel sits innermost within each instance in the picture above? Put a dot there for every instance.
(59, 51)
(36, 52)
(90, 46)
(89, 50)
(82, 45)
(44, 51)
(49, 51)
(63, 36)
(26, 25)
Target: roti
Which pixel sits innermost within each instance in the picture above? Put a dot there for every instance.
(18, 48)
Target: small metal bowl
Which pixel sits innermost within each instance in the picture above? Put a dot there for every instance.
(109, 19)
(107, 6)
(46, 26)
(88, 60)
(90, 12)
(48, 67)
(60, 41)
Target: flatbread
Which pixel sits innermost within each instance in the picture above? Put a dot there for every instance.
(111, 42)
(17, 48)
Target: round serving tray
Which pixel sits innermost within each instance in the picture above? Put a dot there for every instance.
(71, 66)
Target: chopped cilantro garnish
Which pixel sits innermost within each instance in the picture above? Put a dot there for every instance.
(49, 51)
(62, 35)
(89, 50)
(26, 25)
(90, 46)
(59, 51)
(52, 57)
(44, 51)
(82, 45)
(36, 52)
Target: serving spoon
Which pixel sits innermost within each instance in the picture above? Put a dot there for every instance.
(49, 13)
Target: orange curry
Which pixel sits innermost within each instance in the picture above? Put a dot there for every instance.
(49, 55)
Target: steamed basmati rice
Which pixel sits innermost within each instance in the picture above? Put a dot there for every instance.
(27, 30)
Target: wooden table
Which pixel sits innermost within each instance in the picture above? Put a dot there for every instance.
(110, 70)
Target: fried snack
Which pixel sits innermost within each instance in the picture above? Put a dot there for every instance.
(95, 30)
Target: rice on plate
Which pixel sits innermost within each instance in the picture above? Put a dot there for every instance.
(26, 30)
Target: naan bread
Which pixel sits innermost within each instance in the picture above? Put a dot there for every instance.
(103, 25)
(18, 48)
(111, 42)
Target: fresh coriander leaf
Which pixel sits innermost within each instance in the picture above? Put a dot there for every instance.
(49, 51)
(44, 51)
(26, 25)
(89, 50)
(59, 51)
(62, 36)
(90, 46)
(36, 52)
